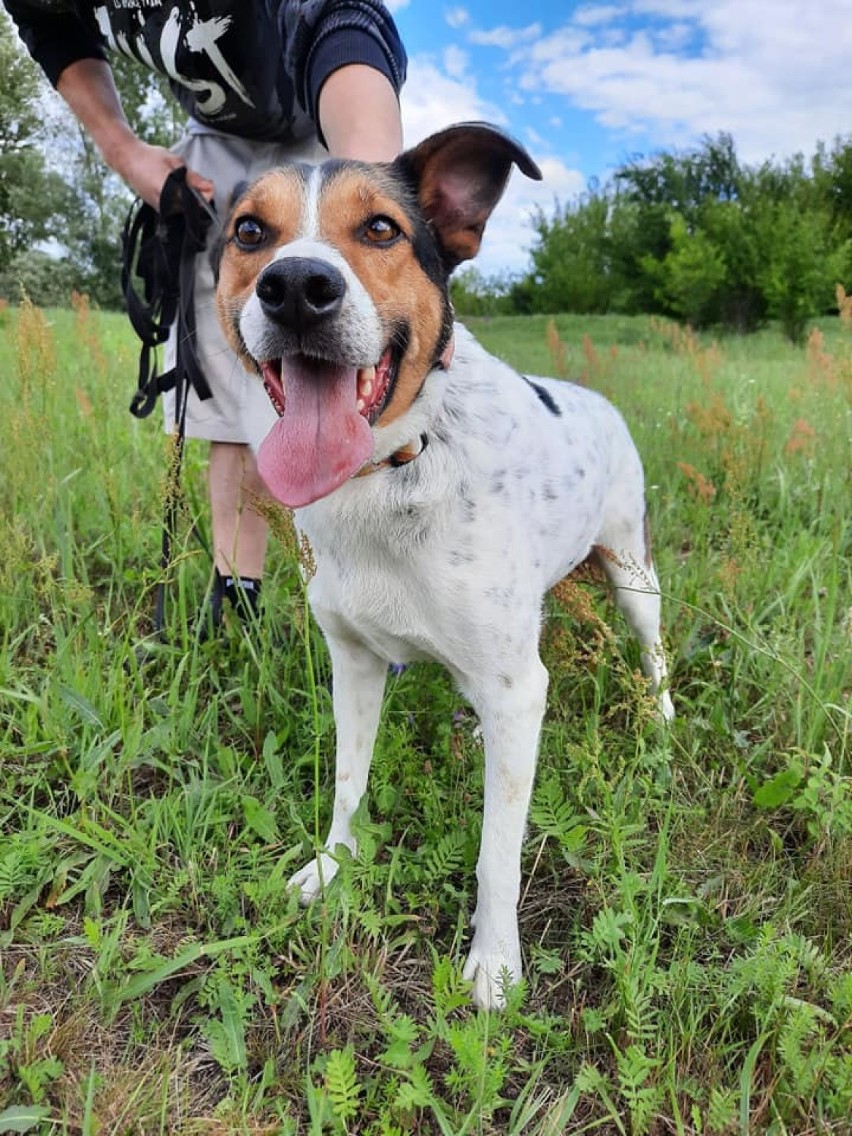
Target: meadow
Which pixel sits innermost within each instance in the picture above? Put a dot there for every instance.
(687, 900)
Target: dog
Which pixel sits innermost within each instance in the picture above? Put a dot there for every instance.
(442, 493)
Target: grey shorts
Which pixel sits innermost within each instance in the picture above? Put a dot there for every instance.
(226, 161)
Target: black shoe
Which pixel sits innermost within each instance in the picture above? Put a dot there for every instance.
(241, 592)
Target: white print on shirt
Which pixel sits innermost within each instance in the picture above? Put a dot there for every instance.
(200, 36)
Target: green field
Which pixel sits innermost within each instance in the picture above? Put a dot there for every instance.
(687, 905)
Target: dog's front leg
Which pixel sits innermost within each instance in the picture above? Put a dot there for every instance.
(510, 712)
(358, 685)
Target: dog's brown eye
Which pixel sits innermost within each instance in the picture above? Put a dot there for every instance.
(249, 233)
(381, 230)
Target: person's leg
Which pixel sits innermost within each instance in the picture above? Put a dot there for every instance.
(239, 532)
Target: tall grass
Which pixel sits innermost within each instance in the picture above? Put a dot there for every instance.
(686, 915)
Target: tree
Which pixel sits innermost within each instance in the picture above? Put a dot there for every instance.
(571, 260)
(690, 275)
(57, 197)
(30, 194)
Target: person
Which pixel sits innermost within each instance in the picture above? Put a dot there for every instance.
(262, 83)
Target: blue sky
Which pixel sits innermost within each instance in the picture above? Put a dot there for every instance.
(585, 85)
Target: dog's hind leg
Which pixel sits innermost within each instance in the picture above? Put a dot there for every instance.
(510, 708)
(630, 571)
(358, 683)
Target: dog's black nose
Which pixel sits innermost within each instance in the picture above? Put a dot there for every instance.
(299, 290)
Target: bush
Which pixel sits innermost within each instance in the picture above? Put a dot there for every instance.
(47, 281)
(701, 238)
(473, 294)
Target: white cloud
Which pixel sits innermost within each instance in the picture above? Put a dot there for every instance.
(593, 14)
(535, 139)
(395, 5)
(432, 99)
(457, 17)
(504, 37)
(775, 73)
(455, 61)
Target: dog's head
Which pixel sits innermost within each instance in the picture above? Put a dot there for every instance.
(332, 287)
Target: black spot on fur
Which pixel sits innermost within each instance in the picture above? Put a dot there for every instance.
(544, 396)
(503, 596)
(467, 508)
(459, 557)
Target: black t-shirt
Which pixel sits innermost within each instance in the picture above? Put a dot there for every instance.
(253, 68)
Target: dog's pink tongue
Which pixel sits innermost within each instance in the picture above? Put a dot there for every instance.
(321, 440)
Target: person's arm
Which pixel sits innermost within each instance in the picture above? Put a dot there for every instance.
(87, 86)
(359, 115)
(347, 64)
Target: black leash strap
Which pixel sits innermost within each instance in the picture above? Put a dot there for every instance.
(159, 248)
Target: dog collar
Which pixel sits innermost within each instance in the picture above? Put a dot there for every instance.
(402, 456)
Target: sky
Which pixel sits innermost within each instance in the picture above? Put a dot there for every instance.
(586, 86)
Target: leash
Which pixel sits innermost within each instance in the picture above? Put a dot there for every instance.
(159, 247)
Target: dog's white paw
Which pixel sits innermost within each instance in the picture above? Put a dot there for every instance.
(492, 966)
(667, 710)
(315, 876)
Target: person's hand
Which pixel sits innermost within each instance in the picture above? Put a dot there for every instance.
(87, 85)
(145, 168)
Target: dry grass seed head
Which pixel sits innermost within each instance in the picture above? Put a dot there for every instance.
(36, 348)
(844, 305)
(822, 365)
(713, 419)
(592, 369)
(87, 332)
(172, 492)
(683, 341)
(280, 521)
(558, 351)
(802, 439)
(700, 488)
(306, 558)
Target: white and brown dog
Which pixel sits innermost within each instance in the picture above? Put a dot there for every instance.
(442, 493)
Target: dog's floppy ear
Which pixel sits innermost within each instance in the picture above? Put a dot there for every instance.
(459, 176)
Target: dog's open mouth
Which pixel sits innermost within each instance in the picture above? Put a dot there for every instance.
(325, 411)
(374, 385)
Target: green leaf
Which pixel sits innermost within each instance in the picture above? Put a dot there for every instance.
(417, 1092)
(778, 790)
(21, 1118)
(260, 819)
(341, 1083)
(81, 706)
(272, 761)
(227, 1038)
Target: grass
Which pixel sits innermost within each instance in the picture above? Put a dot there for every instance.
(686, 914)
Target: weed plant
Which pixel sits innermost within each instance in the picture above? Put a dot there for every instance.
(686, 914)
